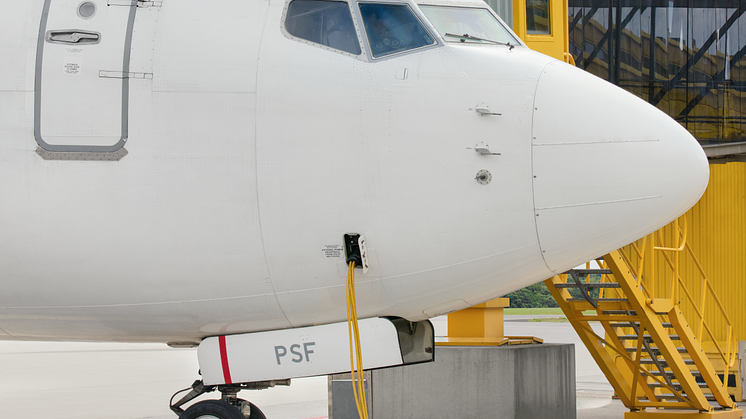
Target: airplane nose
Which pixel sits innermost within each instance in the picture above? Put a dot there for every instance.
(608, 167)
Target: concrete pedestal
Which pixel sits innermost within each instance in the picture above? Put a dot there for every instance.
(480, 382)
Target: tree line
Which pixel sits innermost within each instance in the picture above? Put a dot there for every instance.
(538, 296)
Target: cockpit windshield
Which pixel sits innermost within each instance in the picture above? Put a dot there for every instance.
(393, 28)
(468, 25)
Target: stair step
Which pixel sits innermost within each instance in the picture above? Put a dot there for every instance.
(655, 372)
(601, 300)
(588, 285)
(681, 350)
(583, 272)
(709, 397)
(659, 385)
(663, 361)
(634, 337)
(622, 312)
(627, 324)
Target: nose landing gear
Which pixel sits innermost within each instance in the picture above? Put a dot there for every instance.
(228, 407)
(218, 409)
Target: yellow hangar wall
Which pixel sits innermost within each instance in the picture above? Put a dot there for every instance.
(716, 232)
(719, 238)
(721, 215)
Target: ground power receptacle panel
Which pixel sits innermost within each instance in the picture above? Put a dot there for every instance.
(356, 248)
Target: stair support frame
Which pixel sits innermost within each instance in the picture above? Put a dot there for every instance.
(696, 352)
(668, 350)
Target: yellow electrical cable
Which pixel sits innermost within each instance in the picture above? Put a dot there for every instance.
(358, 381)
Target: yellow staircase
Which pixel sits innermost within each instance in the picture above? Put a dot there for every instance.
(650, 354)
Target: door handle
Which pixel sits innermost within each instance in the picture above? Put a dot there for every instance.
(482, 111)
(485, 152)
(71, 36)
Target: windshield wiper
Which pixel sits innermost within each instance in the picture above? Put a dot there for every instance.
(474, 38)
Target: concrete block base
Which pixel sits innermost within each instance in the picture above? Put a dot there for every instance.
(522, 381)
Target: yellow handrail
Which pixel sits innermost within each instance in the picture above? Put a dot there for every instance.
(644, 273)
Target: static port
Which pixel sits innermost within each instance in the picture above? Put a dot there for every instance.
(483, 177)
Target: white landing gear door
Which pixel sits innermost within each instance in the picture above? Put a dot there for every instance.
(311, 351)
(82, 65)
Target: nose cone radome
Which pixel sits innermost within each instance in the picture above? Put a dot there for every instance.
(608, 167)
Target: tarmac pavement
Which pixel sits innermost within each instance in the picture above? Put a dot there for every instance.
(135, 381)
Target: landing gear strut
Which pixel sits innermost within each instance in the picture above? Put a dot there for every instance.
(228, 407)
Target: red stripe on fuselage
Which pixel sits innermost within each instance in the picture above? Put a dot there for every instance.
(224, 360)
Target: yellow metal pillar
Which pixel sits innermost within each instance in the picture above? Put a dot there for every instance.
(481, 321)
(481, 325)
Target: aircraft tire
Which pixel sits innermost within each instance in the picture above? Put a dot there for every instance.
(218, 409)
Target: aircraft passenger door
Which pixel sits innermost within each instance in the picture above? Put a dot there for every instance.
(82, 65)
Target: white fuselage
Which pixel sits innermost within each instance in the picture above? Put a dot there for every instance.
(251, 153)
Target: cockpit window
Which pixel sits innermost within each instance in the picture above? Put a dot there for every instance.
(393, 28)
(323, 22)
(468, 25)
